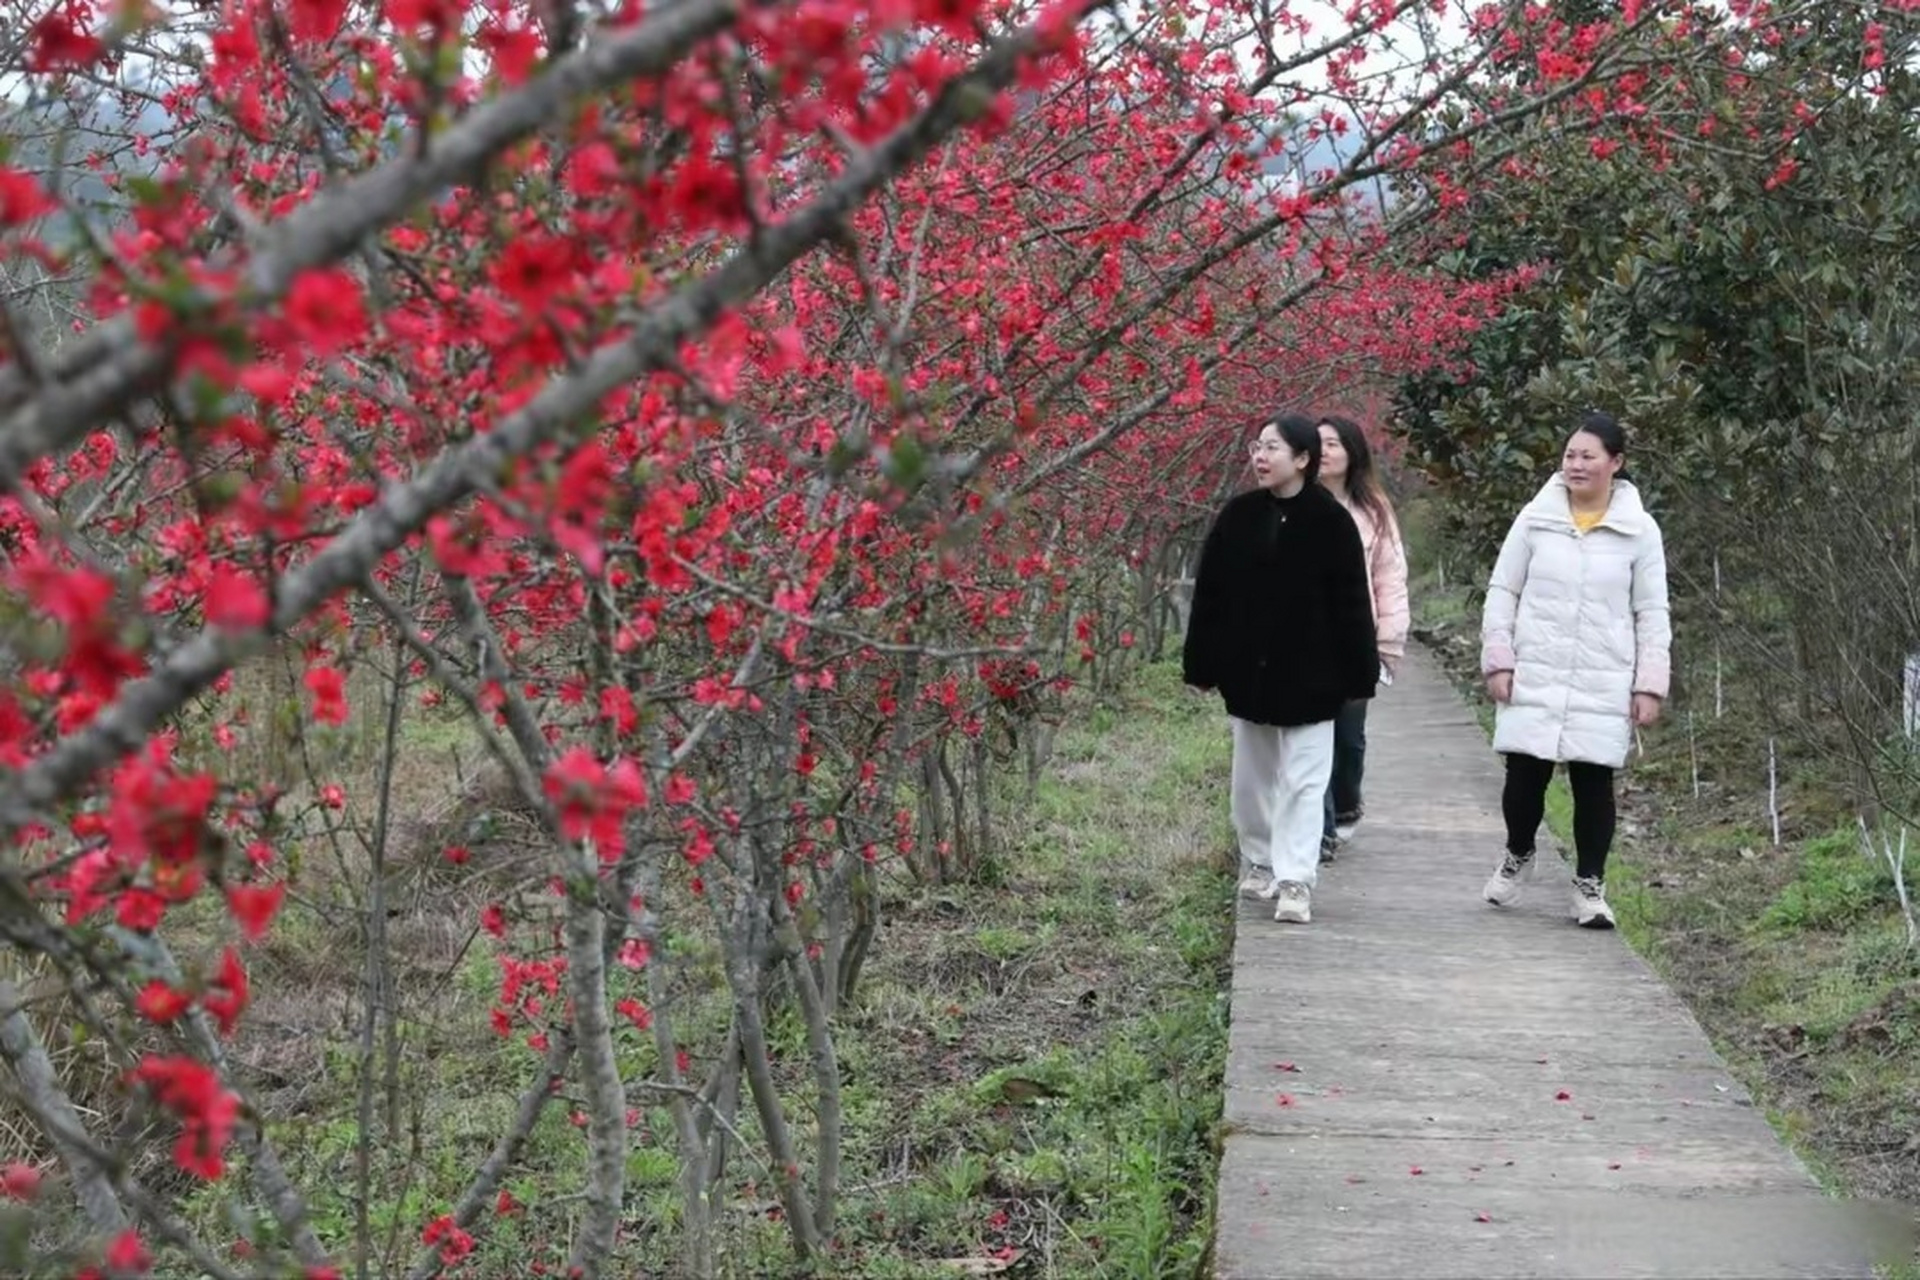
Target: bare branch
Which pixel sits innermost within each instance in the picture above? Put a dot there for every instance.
(48, 1103)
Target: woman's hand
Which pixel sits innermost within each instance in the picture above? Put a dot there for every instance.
(1500, 686)
(1646, 709)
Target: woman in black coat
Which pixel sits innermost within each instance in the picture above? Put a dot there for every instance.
(1282, 626)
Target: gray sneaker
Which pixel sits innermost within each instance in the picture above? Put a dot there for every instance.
(1292, 903)
(1504, 885)
(1257, 883)
(1590, 909)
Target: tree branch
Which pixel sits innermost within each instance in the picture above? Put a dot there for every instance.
(47, 1102)
(469, 468)
(97, 377)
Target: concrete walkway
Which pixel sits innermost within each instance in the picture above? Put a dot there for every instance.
(1420, 1085)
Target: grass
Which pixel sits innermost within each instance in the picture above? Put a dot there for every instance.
(1794, 959)
(1061, 1046)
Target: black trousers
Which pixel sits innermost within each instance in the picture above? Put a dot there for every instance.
(1349, 764)
(1524, 804)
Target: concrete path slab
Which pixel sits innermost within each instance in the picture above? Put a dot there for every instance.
(1419, 1085)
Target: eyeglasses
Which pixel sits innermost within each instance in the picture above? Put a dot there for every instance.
(1257, 447)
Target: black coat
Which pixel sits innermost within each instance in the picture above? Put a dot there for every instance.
(1282, 619)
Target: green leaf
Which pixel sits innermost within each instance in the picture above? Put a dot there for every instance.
(905, 463)
(16, 1239)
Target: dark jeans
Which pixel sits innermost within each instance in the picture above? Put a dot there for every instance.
(1349, 763)
(1524, 803)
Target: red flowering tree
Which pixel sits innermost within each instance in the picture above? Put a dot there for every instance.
(738, 422)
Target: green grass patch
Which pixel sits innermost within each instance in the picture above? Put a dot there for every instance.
(1055, 1057)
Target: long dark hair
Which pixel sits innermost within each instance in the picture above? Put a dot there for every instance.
(1363, 483)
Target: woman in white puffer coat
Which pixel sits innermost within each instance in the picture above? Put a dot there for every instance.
(1574, 643)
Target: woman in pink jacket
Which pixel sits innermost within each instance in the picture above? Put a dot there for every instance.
(1346, 469)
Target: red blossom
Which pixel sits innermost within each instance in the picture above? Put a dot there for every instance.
(61, 43)
(329, 689)
(454, 1244)
(228, 995)
(409, 15)
(316, 19)
(19, 1181)
(161, 1003)
(77, 598)
(127, 1255)
(206, 1110)
(22, 199)
(235, 600)
(253, 907)
(635, 1012)
(324, 311)
(592, 801)
(154, 814)
(515, 50)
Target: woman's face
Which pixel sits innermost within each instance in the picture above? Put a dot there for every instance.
(1587, 466)
(1275, 464)
(1333, 454)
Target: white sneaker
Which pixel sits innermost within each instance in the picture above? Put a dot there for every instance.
(1504, 885)
(1590, 909)
(1292, 903)
(1257, 883)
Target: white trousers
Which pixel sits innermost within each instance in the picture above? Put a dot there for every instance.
(1279, 795)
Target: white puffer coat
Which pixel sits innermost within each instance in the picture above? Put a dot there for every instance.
(1581, 620)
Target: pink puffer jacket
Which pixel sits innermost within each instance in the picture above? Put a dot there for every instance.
(1387, 573)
